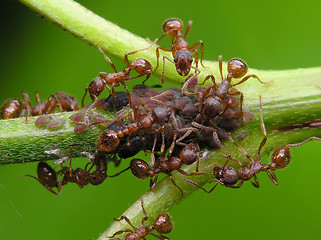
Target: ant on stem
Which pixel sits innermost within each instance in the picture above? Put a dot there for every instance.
(140, 65)
(229, 176)
(162, 225)
(14, 108)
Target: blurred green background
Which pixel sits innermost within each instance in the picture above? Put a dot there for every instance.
(39, 56)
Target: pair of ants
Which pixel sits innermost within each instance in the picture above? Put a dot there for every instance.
(50, 179)
(14, 108)
(234, 178)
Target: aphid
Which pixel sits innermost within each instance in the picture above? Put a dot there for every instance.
(141, 66)
(213, 100)
(162, 224)
(229, 176)
(181, 51)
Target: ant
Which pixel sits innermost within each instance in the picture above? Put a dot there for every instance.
(166, 164)
(47, 176)
(14, 108)
(140, 65)
(229, 176)
(212, 103)
(162, 225)
(181, 51)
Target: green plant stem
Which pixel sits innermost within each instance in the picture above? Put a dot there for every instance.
(290, 98)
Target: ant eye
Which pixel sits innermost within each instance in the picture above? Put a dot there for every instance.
(98, 90)
(191, 60)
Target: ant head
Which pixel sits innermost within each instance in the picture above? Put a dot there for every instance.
(189, 153)
(172, 27)
(163, 223)
(142, 66)
(108, 141)
(183, 60)
(237, 68)
(96, 86)
(140, 168)
(46, 174)
(281, 157)
(226, 175)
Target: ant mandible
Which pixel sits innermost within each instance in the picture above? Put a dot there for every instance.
(140, 65)
(229, 176)
(162, 225)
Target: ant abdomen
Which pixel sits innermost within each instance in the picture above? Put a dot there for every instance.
(281, 158)
(108, 141)
(163, 223)
(237, 68)
(11, 109)
(139, 168)
(226, 175)
(172, 27)
(189, 153)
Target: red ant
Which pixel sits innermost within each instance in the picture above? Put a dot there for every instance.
(141, 66)
(229, 176)
(212, 102)
(14, 108)
(47, 176)
(166, 164)
(181, 51)
(162, 225)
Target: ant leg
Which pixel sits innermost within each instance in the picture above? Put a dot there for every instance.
(171, 178)
(163, 71)
(246, 78)
(272, 177)
(160, 237)
(263, 131)
(256, 182)
(196, 185)
(208, 77)
(120, 232)
(153, 182)
(240, 148)
(126, 219)
(48, 188)
(39, 103)
(200, 42)
(171, 148)
(83, 98)
(128, 94)
(143, 49)
(157, 55)
(106, 58)
(188, 27)
(28, 104)
(301, 143)
(144, 211)
(188, 80)
(220, 63)
(119, 172)
(191, 174)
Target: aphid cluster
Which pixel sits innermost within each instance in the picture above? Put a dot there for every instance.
(170, 125)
